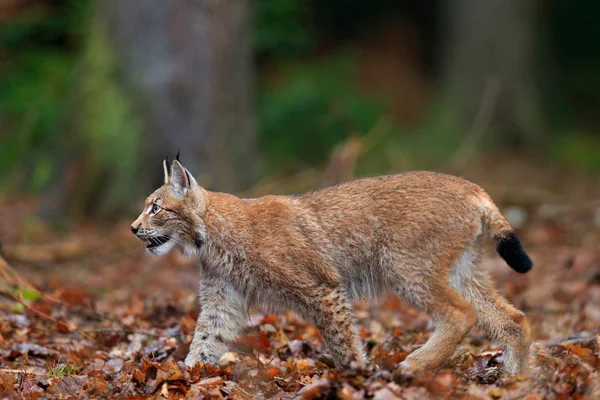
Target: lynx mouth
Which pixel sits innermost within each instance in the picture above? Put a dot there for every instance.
(156, 241)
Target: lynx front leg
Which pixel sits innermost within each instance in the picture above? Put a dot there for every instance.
(221, 317)
(331, 313)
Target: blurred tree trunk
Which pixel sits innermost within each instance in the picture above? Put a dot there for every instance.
(158, 77)
(488, 42)
(191, 63)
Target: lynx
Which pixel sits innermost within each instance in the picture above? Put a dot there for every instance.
(416, 234)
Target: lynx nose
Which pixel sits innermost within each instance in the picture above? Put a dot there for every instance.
(134, 229)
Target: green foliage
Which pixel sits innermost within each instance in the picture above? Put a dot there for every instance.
(32, 102)
(61, 370)
(579, 149)
(27, 296)
(280, 27)
(319, 106)
(307, 108)
(108, 125)
(311, 108)
(35, 84)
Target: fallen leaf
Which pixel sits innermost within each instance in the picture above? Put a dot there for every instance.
(258, 341)
(315, 389)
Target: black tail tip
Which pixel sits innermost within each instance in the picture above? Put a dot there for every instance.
(510, 249)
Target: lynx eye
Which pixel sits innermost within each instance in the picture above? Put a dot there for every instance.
(155, 209)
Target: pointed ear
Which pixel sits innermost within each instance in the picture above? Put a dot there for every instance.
(166, 168)
(181, 179)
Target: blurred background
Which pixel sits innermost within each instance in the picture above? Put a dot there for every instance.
(283, 96)
(279, 96)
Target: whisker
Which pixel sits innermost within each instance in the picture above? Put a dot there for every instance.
(155, 241)
(178, 241)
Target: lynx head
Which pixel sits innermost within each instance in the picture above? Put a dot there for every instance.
(173, 214)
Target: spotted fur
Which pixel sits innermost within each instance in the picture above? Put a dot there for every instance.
(417, 234)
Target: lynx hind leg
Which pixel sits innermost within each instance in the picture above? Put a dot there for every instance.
(453, 318)
(495, 315)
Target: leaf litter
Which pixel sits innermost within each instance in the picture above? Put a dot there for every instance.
(93, 316)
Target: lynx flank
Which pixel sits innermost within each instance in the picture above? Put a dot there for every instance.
(416, 234)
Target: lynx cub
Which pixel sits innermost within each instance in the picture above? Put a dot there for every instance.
(416, 234)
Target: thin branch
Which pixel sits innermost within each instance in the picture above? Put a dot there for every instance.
(13, 278)
(125, 331)
(20, 371)
(41, 313)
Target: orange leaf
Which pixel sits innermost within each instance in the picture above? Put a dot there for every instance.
(582, 352)
(259, 342)
(269, 319)
(169, 371)
(61, 327)
(272, 372)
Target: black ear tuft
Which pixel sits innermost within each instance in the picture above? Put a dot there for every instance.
(167, 162)
(177, 156)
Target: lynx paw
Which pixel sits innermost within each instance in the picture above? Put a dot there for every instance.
(205, 352)
(191, 360)
(408, 367)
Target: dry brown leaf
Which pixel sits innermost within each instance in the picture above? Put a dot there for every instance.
(315, 389)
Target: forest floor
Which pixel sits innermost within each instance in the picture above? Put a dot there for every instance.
(90, 314)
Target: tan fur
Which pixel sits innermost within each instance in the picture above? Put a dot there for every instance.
(417, 234)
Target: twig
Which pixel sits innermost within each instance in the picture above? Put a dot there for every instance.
(126, 331)
(13, 278)
(20, 371)
(41, 313)
(577, 338)
(92, 313)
